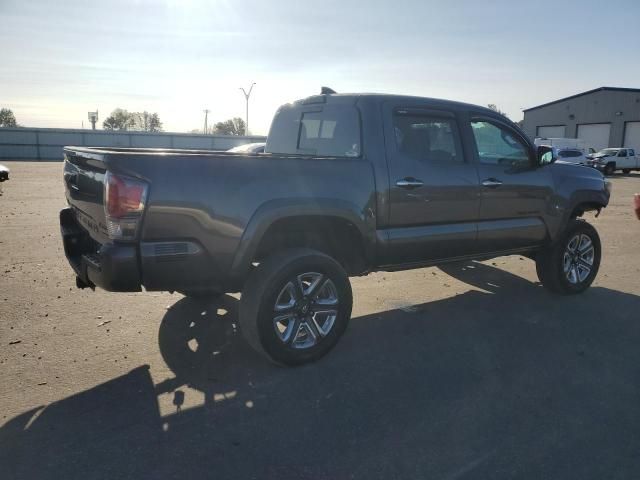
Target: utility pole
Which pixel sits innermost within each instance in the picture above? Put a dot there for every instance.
(246, 97)
(206, 118)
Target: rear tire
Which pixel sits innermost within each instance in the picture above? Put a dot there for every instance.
(626, 170)
(295, 306)
(570, 265)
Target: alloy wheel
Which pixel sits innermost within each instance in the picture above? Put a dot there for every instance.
(305, 310)
(578, 258)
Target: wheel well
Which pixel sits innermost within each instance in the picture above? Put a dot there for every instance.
(580, 209)
(334, 236)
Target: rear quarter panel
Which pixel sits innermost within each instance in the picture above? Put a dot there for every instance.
(224, 203)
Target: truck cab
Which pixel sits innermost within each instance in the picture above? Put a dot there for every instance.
(610, 160)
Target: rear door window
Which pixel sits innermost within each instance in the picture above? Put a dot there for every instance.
(570, 153)
(428, 139)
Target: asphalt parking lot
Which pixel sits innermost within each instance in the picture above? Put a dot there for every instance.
(465, 372)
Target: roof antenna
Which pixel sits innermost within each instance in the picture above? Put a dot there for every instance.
(326, 91)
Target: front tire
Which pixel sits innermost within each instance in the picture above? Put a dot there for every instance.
(295, 306)
(609, 169)
(570, 265)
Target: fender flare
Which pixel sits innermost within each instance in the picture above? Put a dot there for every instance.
(270, 212)
(581, 197)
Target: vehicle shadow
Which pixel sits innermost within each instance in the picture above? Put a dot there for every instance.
(624, 175)
(502, 381)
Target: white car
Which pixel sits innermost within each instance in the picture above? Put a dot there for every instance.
(571, 155)
(609, 160)
(4, 175)
(257, 147)
(565, 143)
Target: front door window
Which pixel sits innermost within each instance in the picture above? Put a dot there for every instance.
(498, 146)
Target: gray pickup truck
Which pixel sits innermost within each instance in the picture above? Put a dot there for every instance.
(348, 184)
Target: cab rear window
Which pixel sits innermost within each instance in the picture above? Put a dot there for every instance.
(327, 131)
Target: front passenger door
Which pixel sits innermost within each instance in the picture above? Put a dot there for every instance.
(515, 190)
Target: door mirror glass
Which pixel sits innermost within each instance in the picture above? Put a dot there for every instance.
(545, 155)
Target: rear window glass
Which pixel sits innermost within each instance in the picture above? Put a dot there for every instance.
(569, 153)
(329, 131)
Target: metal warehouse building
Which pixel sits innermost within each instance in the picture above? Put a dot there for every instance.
(604, 117)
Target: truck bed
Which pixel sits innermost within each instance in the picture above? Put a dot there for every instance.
(200, 205)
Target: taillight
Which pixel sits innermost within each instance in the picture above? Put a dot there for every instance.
(124, 202)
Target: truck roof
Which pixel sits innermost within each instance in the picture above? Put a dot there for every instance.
(335, 98)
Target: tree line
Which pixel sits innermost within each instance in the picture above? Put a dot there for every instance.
(7, 118)
(121, 119)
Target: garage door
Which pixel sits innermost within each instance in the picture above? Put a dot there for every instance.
(632, 135)
(555, 131)
(595, 135)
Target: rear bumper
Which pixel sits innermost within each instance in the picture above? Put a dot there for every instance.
(111, 266)
(122, 267)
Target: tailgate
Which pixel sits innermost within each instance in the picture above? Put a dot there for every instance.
(84, 188)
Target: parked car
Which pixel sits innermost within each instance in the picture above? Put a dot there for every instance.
(257, 147)
(570, 155)
(348, 184)
(4, 175)
(569, 143)
(609, 160)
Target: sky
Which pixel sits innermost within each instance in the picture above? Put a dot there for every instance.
(60, 59)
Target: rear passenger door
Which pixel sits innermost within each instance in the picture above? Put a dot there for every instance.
(636, 161)
(515, 191)
(623, 160)
(433, 187)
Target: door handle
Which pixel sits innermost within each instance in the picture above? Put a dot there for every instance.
(409, 182)
(491, 183)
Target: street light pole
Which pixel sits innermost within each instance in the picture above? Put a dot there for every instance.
(246, 97)
(206, 117)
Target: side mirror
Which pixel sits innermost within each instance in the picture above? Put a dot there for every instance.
(545, 155)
